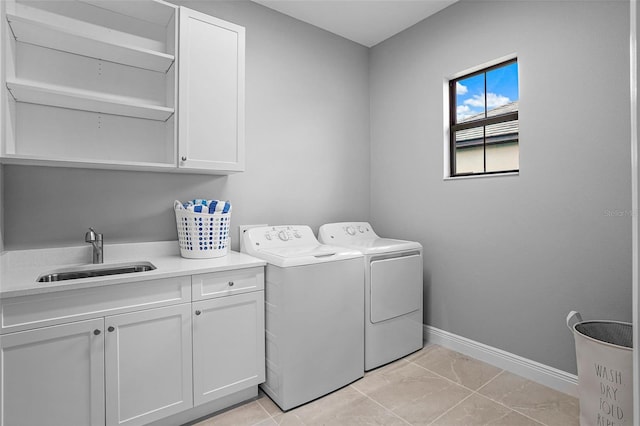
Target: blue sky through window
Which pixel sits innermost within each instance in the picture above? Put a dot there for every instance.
(502, 89)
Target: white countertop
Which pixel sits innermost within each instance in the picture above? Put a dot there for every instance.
(20, 269)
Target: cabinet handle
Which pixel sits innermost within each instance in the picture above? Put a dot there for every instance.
(198, 312)
(111, 329)
(184, 158)
(230, 283)
(96, 332)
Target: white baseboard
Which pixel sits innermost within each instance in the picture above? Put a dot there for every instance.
(532, 370)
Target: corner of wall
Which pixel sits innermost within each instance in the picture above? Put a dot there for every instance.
(369, 134)
(1, 209)
(635, 194)
(3, 93)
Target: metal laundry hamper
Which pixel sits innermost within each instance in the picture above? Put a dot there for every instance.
(605, 370)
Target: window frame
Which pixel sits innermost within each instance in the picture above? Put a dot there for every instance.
(482, 122)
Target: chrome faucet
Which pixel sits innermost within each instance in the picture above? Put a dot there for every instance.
(96, 241)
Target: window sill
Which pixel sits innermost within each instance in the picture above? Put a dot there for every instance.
(492, 175)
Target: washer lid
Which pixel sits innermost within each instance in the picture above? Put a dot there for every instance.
(383, 245)
(361, 236)
(286, 257)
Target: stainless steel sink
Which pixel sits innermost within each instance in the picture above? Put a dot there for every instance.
(96, 271)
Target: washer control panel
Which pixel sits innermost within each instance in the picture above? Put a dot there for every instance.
(345, 232)
(279, 236)
(283, 234)
(356, 229)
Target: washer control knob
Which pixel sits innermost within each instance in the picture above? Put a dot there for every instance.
(267, 236)
(351, 230)
(361, 229)
(283, 235)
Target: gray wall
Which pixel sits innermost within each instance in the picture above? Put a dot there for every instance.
(307, 144)
(506, 258)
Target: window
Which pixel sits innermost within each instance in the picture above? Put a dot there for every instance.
(483, 121)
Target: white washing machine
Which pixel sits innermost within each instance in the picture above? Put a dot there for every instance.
(393, 290)
(314, 313)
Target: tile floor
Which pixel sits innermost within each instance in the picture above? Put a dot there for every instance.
(434, 386)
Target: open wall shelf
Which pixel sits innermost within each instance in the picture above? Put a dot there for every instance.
(89, 83)
(31, 160)
(43, 28)
(51, 95)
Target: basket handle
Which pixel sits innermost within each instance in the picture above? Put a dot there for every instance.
(177, 205)
(573, 315)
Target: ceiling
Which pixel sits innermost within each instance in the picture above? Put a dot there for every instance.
(367, 22)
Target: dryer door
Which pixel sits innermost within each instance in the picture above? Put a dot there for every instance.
(396, 287)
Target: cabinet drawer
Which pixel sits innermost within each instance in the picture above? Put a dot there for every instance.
(25, 312)
(219, 284)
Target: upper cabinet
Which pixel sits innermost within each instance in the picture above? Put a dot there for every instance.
(106, 84)
(211, 101)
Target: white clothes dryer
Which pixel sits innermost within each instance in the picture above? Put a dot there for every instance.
(314, 313)
(393, 290)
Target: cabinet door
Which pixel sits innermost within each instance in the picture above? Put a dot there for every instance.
(148, 365)
(53, 375)
(211, 93)
(228, 345)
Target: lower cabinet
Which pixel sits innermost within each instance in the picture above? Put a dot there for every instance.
(228, 345)
(148, 365)
(53, 375)
(131, 369)
(134, 368)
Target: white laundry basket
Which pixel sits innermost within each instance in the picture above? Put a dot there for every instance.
(605, 364)
(202, 235)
